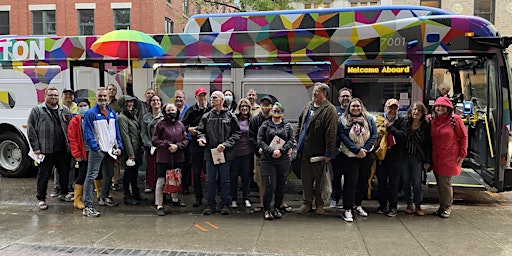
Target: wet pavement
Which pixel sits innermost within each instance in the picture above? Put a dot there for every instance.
(481, 224)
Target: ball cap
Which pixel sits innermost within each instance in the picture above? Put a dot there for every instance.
(200, 90)
(68, 90)
(392, 102)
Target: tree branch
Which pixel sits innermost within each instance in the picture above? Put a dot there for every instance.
(227, 5)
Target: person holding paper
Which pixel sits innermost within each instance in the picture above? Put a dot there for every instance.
(101, 133)
(47, 133)
(218, 131)
(170, 138)
(390, 169)
(149, 120)
(275, 138)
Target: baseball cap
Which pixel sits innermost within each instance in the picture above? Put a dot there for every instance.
(130, 98)
(267, 97)
(392, 102)
(200, 90)
(80, 100)
(68, 90)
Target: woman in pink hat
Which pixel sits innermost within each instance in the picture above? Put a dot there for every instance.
(449, 148)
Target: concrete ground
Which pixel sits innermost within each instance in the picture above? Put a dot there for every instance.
(481, 224)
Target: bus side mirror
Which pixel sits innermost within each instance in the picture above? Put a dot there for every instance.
(467, 107)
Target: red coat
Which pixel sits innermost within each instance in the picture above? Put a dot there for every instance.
(76, 139)
(448, 143)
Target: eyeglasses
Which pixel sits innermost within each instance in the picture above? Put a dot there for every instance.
(356, 106)
(345, 96)
(52, 95)
(214, 97)
(276, 111)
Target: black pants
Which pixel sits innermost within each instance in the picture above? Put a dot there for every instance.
(355, 185)
(186, 177)
(61, 160)
(388, 175)
(337, 173)
(274, 174)
(197, 164)
(82, 172)
(130, 179)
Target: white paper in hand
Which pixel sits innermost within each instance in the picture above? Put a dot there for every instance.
(218, 157)
(152, 150)
(276, 143)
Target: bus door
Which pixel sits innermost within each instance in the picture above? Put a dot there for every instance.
(87, 76)
(475, 79)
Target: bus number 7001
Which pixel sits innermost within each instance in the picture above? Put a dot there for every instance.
(399, 41)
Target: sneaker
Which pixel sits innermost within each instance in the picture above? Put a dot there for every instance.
(268, 215)
(233, 204)
(444, 214)
(304, 209)
(130, 201)
(66, 198)
(320, 209)
(361, 212)
(391, 212)
(116, 187)
(179, 203)
(333, 204)
(197, 203)
(209, 210)
(90, 212)
(247, 203)
(148, 190)
(380, 210)
(55, 192)
(160, 211)
(347, 216)
(409, 209)
(277, 214)
(107, 202)
(224, 210)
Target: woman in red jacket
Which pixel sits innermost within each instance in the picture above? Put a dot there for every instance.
(449, 148)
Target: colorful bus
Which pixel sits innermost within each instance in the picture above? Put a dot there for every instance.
(379, 52)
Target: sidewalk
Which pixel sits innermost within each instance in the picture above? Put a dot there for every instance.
(482, 228)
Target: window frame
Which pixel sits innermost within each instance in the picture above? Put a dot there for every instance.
(118, 25)
(81, 25)
(3, 25)
(44, 22)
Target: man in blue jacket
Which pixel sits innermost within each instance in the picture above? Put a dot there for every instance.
(101, 133)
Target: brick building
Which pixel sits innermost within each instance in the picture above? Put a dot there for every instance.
(96, 17)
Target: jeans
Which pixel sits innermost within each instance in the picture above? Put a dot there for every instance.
(388, 176)
(61, 162)
(241, 166)
(274, 174)
(97, 159)
(220, 171)
(411, 175)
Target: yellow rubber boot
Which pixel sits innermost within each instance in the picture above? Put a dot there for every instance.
(97, 185)
(79, 191)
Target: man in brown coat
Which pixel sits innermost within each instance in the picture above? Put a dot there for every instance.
(316, 136)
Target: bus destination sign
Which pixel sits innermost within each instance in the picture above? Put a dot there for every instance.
(377, 70)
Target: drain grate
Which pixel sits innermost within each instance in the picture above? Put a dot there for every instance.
(29, 249)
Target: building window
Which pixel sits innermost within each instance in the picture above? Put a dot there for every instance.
(4, 23)
(356, 4)
(317, 6)
(169, 25)
(431, 3)
(185, 7)
(484, 9)
(85, 22)
(43, 23)
(121, 18)
(198, 8)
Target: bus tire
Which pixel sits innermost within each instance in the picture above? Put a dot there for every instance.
(14, 159)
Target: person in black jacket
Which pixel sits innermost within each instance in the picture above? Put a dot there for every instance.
(418, 146)
(275, 138)
(191, 120)
(218, 131)
(390, 170)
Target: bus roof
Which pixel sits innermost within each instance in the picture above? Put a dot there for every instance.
(222, 22)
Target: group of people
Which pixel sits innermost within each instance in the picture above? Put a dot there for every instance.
(227, 140)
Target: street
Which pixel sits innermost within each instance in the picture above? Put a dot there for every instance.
(481, 224)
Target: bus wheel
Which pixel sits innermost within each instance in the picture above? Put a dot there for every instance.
(14, 159)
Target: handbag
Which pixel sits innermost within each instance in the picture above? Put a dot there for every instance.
(173, 181)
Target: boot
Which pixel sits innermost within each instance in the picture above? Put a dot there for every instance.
(97, 185)
(79, 190)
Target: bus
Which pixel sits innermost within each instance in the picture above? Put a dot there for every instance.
(379, 52)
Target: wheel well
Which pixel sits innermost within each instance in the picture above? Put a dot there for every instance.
(10, 128)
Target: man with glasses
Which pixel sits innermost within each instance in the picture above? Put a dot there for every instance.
(390, 170)
(345, 95)
(252, 96)
(102, 136)
(47, 133)
(316, 137)
(191, 120)
(218, 131)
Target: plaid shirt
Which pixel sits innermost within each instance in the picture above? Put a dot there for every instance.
(41, 127)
